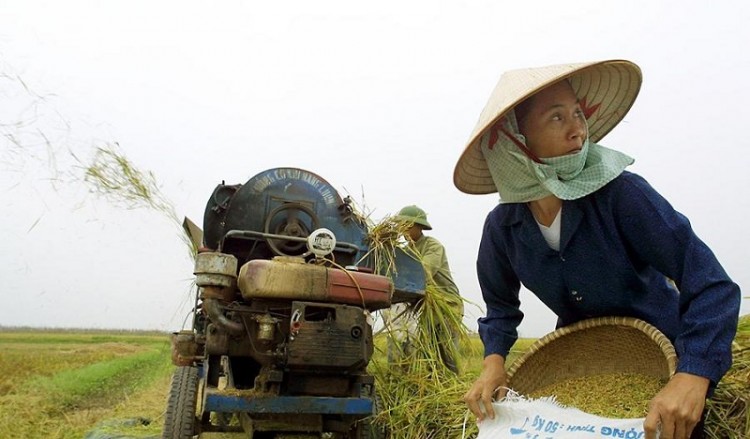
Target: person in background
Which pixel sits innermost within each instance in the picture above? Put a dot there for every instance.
(437, 275)
(587, 237)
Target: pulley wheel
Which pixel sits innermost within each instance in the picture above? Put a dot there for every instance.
(290, 219)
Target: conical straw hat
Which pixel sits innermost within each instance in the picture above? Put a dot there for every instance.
(605, 89)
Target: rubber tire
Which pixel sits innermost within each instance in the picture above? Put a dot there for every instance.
(180, 420)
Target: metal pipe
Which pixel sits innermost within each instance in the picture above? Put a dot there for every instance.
(249, 234)
(216, 314)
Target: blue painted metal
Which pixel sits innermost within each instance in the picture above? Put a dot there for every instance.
(231, 403)
(409, 278)
(247, 206)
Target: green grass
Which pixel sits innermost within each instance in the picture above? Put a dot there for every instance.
(97, 383)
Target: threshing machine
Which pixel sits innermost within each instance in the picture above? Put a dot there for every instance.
(282, 328)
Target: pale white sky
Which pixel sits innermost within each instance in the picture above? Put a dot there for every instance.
(377, 98)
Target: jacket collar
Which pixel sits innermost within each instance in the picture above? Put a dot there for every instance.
(519, 214)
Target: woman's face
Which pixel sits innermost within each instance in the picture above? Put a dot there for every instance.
(553, 122)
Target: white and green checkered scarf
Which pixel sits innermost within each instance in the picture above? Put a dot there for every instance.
(520, 179)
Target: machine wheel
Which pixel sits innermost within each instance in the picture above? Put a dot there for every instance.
(180, 421)
(285, 220)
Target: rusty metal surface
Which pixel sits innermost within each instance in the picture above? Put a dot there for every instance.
(329, 337)
(215, 269)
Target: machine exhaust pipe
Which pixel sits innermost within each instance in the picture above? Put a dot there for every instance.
(215, 274)
(216, 314)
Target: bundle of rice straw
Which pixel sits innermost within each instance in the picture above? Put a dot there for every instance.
(112, 176)
(421, 397)
(728, 414)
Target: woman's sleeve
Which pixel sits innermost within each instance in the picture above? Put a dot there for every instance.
(500, 286)
(709, 301)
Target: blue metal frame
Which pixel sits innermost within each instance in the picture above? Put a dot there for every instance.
(234, 401)
(218, 401)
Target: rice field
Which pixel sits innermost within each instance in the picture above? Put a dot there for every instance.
(67, 384)
(61, 384)
(99, 384)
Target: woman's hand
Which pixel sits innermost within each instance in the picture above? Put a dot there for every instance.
(491, 382)
(677, 407)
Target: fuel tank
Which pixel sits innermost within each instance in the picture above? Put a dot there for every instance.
(293, 279)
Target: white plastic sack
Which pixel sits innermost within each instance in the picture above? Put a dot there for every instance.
(543, 418)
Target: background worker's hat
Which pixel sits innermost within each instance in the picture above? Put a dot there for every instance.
(413, 214)
(606, 90)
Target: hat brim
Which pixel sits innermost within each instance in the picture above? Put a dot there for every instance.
(408, 219)
(606, 90)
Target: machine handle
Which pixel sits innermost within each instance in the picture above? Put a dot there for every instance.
(342, 246)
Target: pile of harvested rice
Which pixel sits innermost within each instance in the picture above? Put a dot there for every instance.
(614, 395)
(627, 395)
(421, 397)
(728, 410)
(416, 405)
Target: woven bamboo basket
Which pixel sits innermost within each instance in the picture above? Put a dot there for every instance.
(604, 345)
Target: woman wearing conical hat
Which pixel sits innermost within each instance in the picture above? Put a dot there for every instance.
(587, 237)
